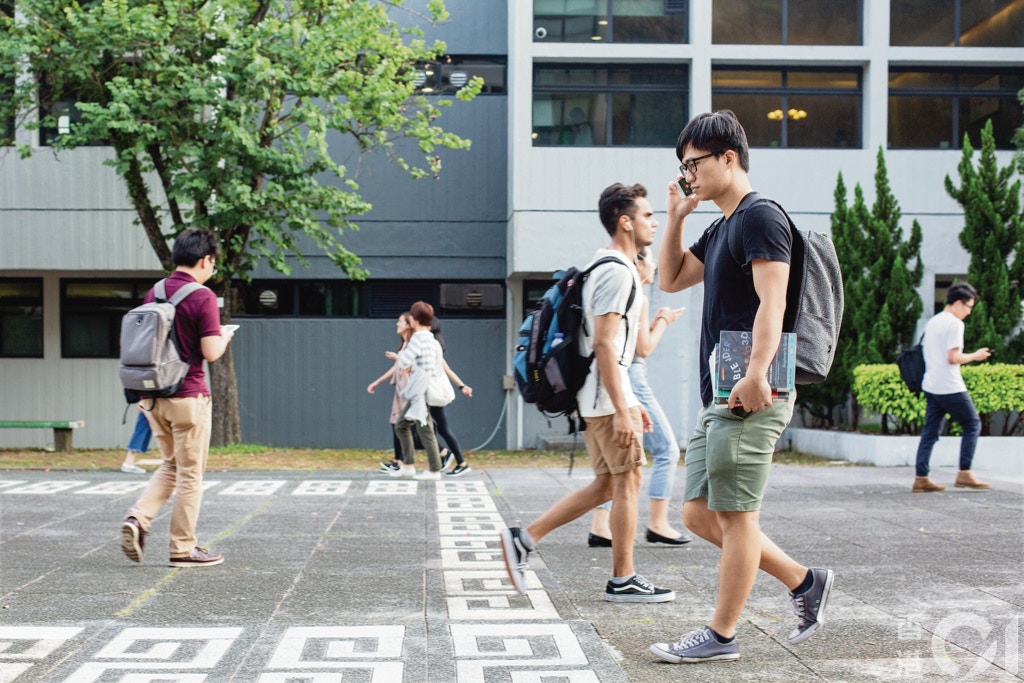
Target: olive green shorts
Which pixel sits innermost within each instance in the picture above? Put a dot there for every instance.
(728, 457)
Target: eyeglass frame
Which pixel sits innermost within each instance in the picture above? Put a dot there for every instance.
(690, 165)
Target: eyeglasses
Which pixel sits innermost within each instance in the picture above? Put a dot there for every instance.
(690, 165)
(970, 305)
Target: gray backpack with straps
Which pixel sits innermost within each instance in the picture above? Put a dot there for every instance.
(814, 298)
(151, 362)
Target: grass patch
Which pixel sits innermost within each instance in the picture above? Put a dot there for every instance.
(257, 457)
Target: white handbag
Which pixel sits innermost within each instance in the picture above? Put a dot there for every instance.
(440, 391)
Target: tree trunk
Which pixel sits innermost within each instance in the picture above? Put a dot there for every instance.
(227, 423)
(227, 426)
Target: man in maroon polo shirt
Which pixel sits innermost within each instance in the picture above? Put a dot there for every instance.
(181, 423)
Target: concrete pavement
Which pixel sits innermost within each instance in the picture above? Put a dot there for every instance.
(352, 576)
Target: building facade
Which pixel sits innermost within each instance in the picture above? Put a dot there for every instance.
(579, 94)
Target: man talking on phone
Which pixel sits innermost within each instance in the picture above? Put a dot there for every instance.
(730, 452)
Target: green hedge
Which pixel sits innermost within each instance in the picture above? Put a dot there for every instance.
(993, 387)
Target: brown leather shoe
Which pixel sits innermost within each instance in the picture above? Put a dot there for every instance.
(966, 480)
(926, 485)
(133, 539)
(200, 557)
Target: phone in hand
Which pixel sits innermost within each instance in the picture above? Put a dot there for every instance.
(684, 187)
(229, 328)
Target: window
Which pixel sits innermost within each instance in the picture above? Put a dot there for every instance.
(786, 22)
(942, 285)
(63, 107)
(91, 312)
(369, 299)
(450, 74)
(967, 23)
(597, 106)
(21, 318)
(610, 21)
(935, 108)
(792, 108)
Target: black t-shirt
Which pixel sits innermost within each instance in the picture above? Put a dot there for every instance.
(730, 302)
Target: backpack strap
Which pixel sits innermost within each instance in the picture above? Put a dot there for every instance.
(182, 292)
(629, 302)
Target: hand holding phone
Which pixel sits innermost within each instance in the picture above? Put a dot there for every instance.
(684, 187)
(228, 328)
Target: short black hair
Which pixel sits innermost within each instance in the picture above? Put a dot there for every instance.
(618, 200)
(715, 132)
(961, 291)
(193, 245)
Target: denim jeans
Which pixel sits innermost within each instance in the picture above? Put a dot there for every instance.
(141, 436)
(961, 408)
(661, 442)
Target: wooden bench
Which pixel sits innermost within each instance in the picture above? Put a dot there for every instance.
(61, 430)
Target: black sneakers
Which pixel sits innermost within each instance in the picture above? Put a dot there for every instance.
(516, 556)
(809, 606)
(458, 471)
(637, 589)
(133, 539)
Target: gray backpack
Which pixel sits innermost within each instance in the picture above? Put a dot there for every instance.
(151, 363)
(814, 299)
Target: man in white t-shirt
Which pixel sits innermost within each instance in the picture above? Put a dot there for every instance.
(945, 391)
(614, 418)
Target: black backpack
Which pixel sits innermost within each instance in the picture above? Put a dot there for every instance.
(814, 297)
(151, 362)
(911, 365)
(547, 363)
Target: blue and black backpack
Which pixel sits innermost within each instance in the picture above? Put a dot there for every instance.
(547, 364)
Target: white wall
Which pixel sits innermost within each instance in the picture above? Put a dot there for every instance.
(553, 191)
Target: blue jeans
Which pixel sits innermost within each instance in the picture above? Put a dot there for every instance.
(141, 436)
(661, 442)
(961, 408)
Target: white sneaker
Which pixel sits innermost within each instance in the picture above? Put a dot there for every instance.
(403, 473)
(428, 476)
(132, 469)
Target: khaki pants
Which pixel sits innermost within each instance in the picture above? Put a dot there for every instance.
(182, 430)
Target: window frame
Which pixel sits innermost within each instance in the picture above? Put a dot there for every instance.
(784, 16)
(608, 91)
(671, 7)
(954, 94)
(29, 303)
(111, 314)
(784, 91)
(377, 299)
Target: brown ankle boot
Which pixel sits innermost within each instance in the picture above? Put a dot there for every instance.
(925, 485)
(966, 479)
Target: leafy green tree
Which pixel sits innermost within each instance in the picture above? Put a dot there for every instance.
(993, 235)
(231, 115)
(882, 305)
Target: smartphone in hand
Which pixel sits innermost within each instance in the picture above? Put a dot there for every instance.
(229, 328)
(684, 187)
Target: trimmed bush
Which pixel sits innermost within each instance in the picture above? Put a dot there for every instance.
(993, 387)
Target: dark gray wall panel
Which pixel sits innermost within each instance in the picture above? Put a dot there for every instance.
(302, 382)
(475, 27)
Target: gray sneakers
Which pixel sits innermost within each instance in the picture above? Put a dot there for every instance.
(697, 646)
(809, 606)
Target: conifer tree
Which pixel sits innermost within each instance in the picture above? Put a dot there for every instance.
(886, 303)
(820, 401)
(880, 289)
(993, 235)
